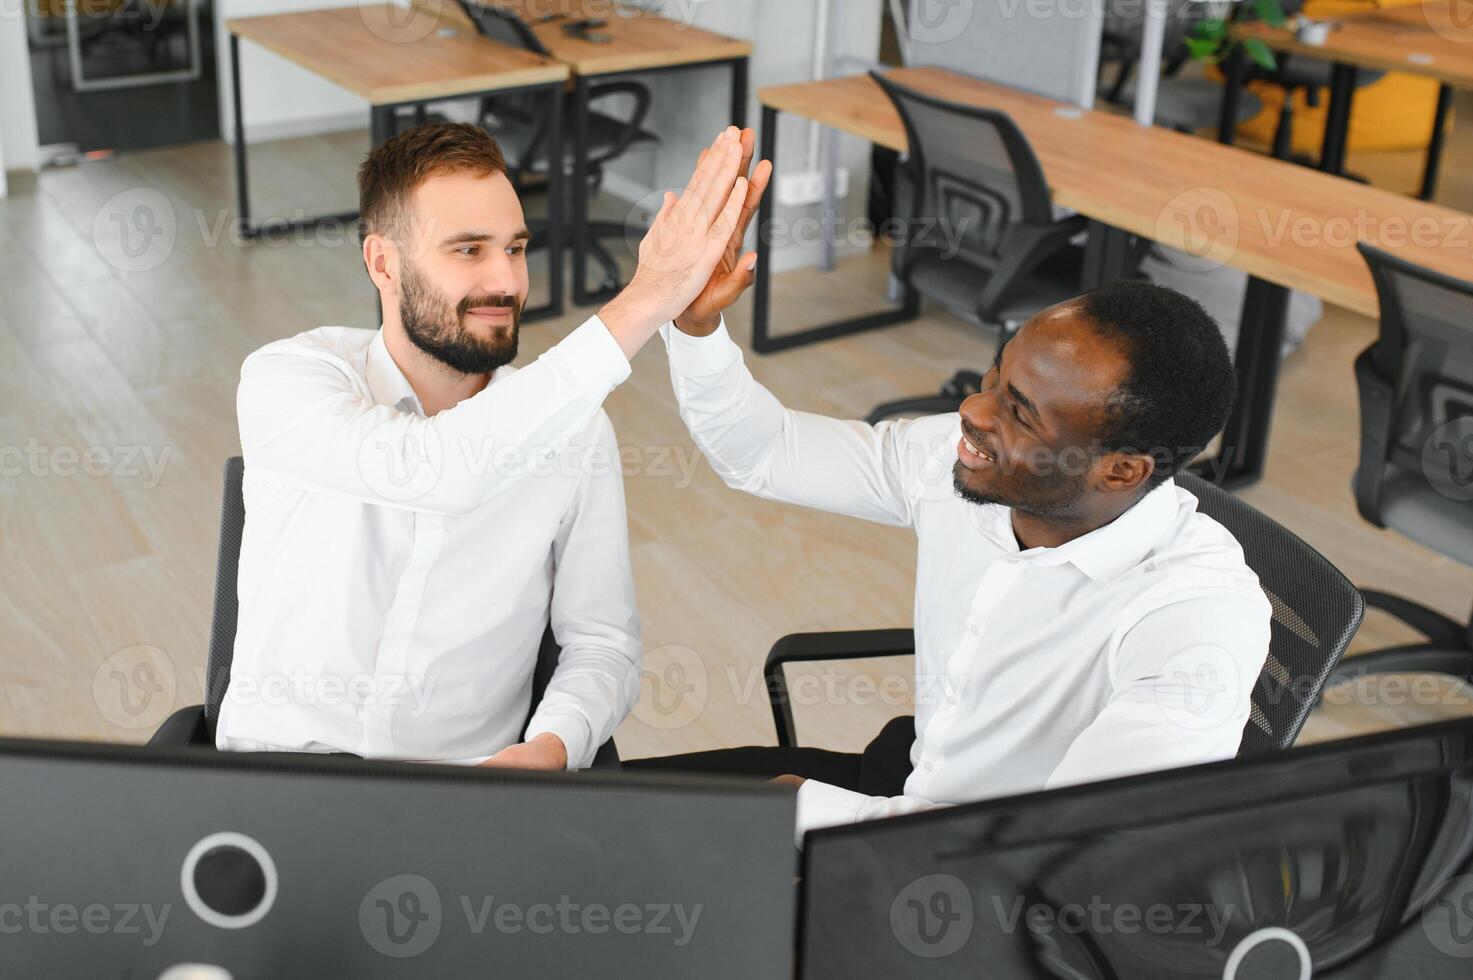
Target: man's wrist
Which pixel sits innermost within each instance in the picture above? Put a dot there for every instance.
(555, 745)
(695, 327)
(632, 319)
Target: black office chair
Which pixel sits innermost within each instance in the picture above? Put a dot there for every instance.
(194, 726)
(1315, 613)
(1185, 103)
(1416, 459)
(519, 124)
(980, 233)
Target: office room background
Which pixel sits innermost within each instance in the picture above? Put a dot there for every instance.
(180, 187)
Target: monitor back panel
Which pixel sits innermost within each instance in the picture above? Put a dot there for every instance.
(412, 875)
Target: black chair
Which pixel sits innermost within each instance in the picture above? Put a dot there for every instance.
(194, 726)
(519, 124)
(1416, 458)
(980, 233)
(1315, 613)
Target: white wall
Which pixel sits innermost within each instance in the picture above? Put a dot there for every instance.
(17, 102)
(280, 99)
(691, 107)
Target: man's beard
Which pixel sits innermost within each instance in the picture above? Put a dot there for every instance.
(1058, 494)
(438, 328)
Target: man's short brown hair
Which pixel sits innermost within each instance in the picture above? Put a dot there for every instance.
(395, 169)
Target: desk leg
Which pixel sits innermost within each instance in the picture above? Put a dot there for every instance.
(1337, 118)
(762, 340)
(739, 93)
(1232, 87)
(762, 280)
(242, 183)
(555, 190)
(248, 230)
(1256, 364)
(579, 191)
(1107, 254)
(1434, 145)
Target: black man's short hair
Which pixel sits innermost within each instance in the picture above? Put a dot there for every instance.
(1179, 387)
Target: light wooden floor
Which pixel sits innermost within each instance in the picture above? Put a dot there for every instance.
(106, 577)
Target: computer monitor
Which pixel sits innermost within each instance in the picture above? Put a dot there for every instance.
(1341, 860)
(123, 861)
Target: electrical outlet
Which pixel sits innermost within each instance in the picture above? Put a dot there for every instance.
(798, 190)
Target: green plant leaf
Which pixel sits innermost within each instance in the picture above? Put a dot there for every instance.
(1271, 12)
(1214, 28)
(1260, 53)
(1203, 49)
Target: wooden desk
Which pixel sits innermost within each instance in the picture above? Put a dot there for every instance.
(394, 59)
(1420, 39)
(639, 41)
(1288, 227)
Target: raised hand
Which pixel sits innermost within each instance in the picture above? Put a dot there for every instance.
(687, 240)
(735, 271)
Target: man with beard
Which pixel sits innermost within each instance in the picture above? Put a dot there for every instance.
(418, 511)
(1076, 618)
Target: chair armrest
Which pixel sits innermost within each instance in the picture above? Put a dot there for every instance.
(632, 126)
(804, 647)
(1377, 404)
(184, 728)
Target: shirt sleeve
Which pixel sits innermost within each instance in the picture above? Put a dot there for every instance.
(594, 615)
(1182, 687)
(304, 421)
(757, 445)
(826, 805)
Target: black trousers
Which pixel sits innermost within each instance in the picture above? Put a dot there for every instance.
(881, 770)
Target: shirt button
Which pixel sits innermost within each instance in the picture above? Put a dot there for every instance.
(928, 766)
(972, 629)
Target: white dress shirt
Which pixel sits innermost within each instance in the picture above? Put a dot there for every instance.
(1131, 648)
(397, 571)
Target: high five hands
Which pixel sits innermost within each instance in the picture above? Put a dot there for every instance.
(690, 262)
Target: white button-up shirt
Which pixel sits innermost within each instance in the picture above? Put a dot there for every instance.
(397, 571)
(1131, 648)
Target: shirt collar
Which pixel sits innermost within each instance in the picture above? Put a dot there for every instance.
(1104, 553)
(386, 382)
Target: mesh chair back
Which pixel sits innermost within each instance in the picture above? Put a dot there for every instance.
(1316, 610)
(1425, 353)
(972, 177)
(227, 563)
